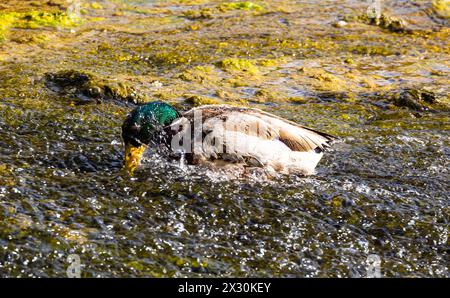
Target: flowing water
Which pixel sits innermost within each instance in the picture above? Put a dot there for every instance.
(382, 189)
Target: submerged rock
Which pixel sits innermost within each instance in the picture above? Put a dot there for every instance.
(391, 23)
(416, 99)
(87, 88)
(70, 78)
(383, 20)
(238, 65)
(198, 100)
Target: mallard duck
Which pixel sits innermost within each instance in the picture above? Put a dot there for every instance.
(223, 134)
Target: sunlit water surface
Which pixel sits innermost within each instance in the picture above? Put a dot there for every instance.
(381, 189)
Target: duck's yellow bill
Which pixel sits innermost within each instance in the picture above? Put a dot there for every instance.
(133, 157)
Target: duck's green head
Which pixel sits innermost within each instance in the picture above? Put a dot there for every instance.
(140, 128)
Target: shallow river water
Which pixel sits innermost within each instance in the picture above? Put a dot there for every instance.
(382, 189)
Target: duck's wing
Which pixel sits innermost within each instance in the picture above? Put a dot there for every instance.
(257, 123)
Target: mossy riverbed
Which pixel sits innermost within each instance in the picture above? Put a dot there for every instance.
(71, 71)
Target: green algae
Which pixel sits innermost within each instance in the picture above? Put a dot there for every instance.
(298, 99)
(240, 6)
(199, 74)
(84, 87)
(238, 65)
(266, 95)
(34, 20)
(441, 8)
(206, 13)
(189, 262)
(371, 50)
(198, 100)
(349, 61)
(271, 62)
(96, 5)
(72, 124)
(6, 20)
